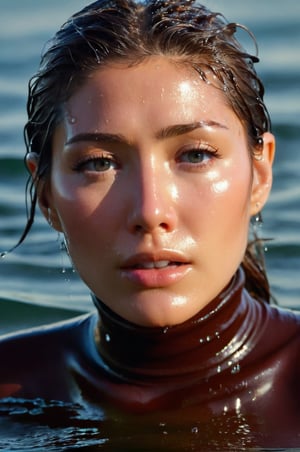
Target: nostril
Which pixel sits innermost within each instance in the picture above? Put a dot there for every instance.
(145, 228)
(138, 228)
(164, 226)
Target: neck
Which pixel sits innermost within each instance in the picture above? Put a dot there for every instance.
(209, 343)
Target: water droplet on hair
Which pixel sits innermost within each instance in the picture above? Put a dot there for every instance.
(107, 337)
(195, 430)
(4, 254)
(166, 329)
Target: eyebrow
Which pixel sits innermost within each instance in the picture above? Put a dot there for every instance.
(99, 136)
(181, 129)
(168, 132)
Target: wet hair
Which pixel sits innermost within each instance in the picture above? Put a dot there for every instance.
(127, 31)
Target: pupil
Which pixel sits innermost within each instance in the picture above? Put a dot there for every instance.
(195, 156)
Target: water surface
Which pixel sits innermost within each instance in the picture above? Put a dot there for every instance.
(37, 283)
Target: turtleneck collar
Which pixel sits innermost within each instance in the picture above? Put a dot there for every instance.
(213, 341)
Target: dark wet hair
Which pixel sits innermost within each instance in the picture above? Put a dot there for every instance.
(125, 30)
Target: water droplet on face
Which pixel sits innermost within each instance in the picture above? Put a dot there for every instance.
(2, 255)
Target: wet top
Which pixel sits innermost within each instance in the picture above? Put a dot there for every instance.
(227, 376)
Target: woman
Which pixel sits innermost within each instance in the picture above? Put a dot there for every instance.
(150, 149)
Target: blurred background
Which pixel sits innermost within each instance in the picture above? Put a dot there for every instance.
(37, 283)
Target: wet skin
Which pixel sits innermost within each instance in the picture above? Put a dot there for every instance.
(153, 186)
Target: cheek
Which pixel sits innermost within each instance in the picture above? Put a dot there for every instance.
(223, 201)
(233, 179)
(73, 208)
(232, 182)
(88, 216)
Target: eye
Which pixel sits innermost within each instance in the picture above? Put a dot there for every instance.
(97, 164)
(198, 156)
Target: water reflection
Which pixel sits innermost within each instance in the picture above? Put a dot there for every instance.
(38, 425)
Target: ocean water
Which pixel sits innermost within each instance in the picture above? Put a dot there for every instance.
(37, 283)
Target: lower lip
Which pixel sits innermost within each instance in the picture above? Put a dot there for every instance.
(156, 277)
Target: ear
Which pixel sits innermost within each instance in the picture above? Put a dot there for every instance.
(262, 174)
(43, 189)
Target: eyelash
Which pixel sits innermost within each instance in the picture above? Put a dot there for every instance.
(80, 166)
(202, 150)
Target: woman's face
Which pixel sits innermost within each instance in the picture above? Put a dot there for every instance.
(153, 187)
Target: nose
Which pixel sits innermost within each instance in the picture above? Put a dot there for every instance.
(152, 200)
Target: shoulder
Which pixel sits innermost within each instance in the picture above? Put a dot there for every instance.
(271, 331)
(280, 315)
(42, 353)
(285, 323)
(279, 334)
(47, 332)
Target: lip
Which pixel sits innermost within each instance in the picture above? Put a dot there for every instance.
(155, 270)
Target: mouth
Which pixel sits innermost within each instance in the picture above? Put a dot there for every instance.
(156, 264)
(160, 259)
(152, 271)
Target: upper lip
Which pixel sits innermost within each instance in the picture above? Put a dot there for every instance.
(142, 258)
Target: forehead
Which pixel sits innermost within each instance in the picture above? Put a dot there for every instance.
(159, 89)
